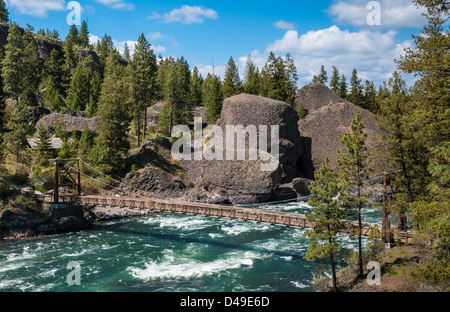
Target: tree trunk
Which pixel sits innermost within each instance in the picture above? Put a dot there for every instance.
(144, 126)
(361, 272)
(333, 272)
(138, 133)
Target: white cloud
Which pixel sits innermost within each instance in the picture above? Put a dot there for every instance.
(395, 14)
(219, 70)
(371, 53)
(117, 4)
(155, 35)
(38, 8)
(186, 15)
(284, 25)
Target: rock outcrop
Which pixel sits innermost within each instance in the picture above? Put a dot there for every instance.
(45, 47)
(154, 170)
(72, 123)
(246, 110)
(316, 96)
(323, 127)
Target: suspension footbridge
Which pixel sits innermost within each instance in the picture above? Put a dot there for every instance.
(68, 174)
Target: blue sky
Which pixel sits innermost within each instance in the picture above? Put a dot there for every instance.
(316, 33)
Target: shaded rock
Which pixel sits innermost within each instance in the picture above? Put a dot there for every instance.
(301, 186)
(72, 123)
(323, 127)
(36, 113)
(155, 171)
(153, 113)
(45, 47)
(4, 29)
(73, 223)
(233, 182)
(316, 96)
(246, 110)
(84, 53)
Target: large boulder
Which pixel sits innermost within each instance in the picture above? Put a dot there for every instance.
(324, 126)
(246, 109)
(316, 96)
(233, 182)
(72, 123)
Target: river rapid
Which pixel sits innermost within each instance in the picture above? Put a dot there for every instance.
(168, 253)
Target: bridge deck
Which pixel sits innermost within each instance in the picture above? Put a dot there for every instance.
(242, 213)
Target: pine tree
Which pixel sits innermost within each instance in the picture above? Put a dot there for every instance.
(370, 97)
(429, 60)
(343, 88)
(80, 92)
(17, 128)
(94, 96)
(126, 53)
(404, 149)
(144, 72)
(52, 98)
(4, 15)
(278, 78)
(43, 141)
(195, 88)
(177, 92)
(54, 70)
(327, 217)
(164, 68)
(2, 109)
(112, 143)
(335, 81)
(70, 63)
(251, 77)
(290, 80)
(83, 37)
(32, 71)
(232, 83)
(356, 90)
(353, 170)
(73, 35)
(212, 97)
(86, 142)
(104, 47)
(13, 64)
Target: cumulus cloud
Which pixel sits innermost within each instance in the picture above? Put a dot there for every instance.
(395, 14)
(284, 25)
(117, 4)
(38, 8)
(371, 53)
(186, 15)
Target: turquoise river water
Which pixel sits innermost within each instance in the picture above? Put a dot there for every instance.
(167, 253)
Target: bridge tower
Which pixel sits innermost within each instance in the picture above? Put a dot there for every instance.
(67, 174)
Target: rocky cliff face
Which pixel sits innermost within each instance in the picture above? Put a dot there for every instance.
(246, 110)
(44, 45)
(324, 126)
(155, 171)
